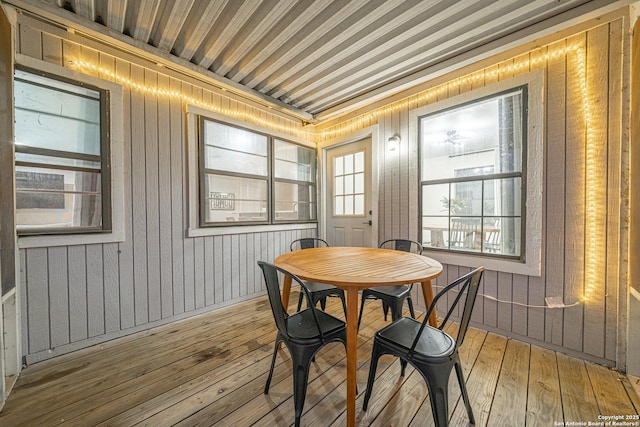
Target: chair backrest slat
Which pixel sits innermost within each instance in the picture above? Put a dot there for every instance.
(405, 245)
(466, 285)
(275, 299)
(280, 315)
(308, 242)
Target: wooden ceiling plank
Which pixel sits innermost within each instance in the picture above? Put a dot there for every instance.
(197, 27)
(170, 21)
(355, 48)
(209, 51)
(143, 16)
(85, 8)
(257, 31)
(411, 57)
(266, 47)
(302, 41)
(112, 13)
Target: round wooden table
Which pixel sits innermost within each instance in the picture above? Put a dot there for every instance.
(353, 269)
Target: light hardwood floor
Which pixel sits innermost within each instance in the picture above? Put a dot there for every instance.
(211, 370)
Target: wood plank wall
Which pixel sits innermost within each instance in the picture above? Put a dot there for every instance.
(588, 330)
(75, 296)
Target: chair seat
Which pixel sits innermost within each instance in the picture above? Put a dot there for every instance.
(392, 291)
(302, 325)
(401, 334)
(318, 287)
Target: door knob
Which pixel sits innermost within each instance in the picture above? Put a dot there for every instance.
(368, 222)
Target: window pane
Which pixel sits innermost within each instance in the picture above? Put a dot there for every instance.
(294, 162)
(466, 198)
(435, 231)
(50, 198)
(466, 156)
(502, 236)
(47, 117)
(58, 161)
(435, 199)
(294, 171)
(66, 117)
(294, 201)
(233, 138)
(484, 137)
(234, 161)
(503, 197)
(230, 198)
(465, 234)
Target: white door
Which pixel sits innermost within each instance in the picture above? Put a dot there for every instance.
(348, 194)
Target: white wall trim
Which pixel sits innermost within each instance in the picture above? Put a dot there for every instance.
(117, 233)
(532, 264)
(372, 132)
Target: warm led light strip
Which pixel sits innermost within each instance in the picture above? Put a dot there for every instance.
(594, 237)
(594, 240)
(154, 90)
(431, 94)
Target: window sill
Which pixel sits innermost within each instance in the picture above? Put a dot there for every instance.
(489, 263)
(26, 242)
(244, 229)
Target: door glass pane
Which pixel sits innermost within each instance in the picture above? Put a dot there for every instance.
(339, 205)
(348, 205)
(339, 166)
(339, 183)
(348, 184)
(350, 181)
(358, 207)
(359, 162)
(359, 183)
(348, 163)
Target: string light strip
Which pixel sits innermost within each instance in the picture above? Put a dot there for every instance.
(188, 99)
(433, 93)
(593, 233)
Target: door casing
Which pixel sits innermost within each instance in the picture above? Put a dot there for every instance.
(370, 132)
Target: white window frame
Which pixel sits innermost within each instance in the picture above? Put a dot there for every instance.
(117, 233)
(194, 229)
(531, 264)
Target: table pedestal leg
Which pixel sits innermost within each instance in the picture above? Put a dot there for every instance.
(352, 353)
(427, 293)
(286, 291)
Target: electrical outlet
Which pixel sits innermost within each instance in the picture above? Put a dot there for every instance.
(554, 302)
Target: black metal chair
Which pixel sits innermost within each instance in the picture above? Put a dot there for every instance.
(431, 351)
(303, 333)
(318, 291)
(393, 296)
